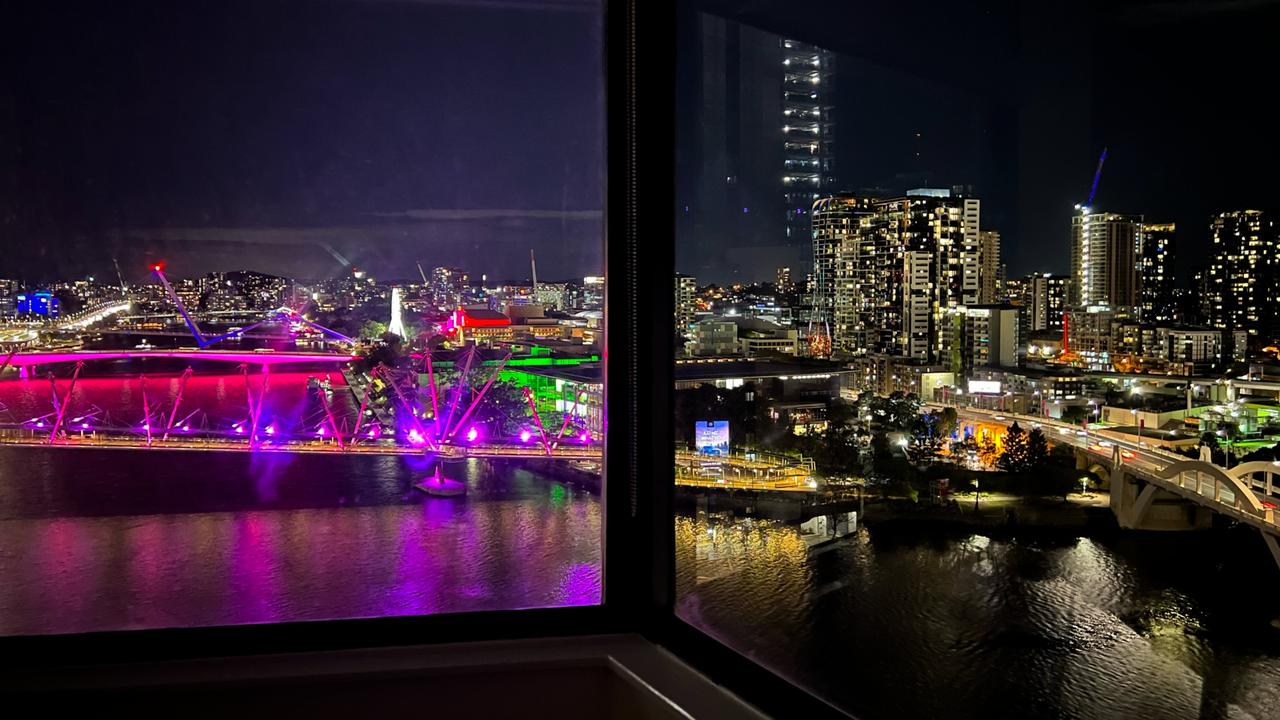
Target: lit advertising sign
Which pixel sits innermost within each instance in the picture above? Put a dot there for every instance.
(711, 437)
(984, 387)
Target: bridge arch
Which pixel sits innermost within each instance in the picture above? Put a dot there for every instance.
(1246, 472)
(1245, 499)
(1098, 469)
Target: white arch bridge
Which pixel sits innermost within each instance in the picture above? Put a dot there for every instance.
(1156, 489)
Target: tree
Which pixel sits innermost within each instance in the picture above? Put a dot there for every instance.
(1015, 457)
(1037, 450)
(901, 410)
(1062, 455)
(1075, 414)
(948, 422)
(988, 450)
(373, 330)
(965, 448)
(503, 410)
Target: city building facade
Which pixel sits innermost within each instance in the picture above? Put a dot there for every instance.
(990, 269)
(1104, 249)
(686, 302)
(1240, 282)
(1157, 302)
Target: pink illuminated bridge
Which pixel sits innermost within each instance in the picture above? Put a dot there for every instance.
(28, 359)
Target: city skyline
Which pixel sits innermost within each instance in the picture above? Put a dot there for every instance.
(960, 110)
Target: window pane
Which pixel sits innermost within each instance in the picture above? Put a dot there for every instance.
(300, 311)
(958, 288)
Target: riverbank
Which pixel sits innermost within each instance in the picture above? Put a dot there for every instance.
(787, 506)
(1077, 513)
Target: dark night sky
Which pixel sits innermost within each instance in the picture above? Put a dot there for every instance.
(298, 137)
(1018, 99)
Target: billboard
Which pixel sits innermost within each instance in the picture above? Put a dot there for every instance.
(984, 386)
(711, 437)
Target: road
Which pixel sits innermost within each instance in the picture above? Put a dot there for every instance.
(1151, 463)
(25, 359)
(102, 441)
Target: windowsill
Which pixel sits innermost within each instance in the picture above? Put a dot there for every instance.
(620, 676)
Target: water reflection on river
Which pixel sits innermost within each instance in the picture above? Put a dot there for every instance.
(109, 539)
(912, 622)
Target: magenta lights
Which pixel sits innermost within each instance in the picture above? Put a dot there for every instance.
(472, 434)
(525, 436)
(415, 437)
(271, 430)
(320, 431)
(585, 436)
(239, 429)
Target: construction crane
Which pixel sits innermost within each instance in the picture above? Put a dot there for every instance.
(1093, 189)
(1067, 356)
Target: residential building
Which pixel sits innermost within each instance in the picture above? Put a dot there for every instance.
(1196, 350)
(898, 265)
(844, 266)
(1104, 250)
(1157, 303)
(783, 283)
(989, 267)
(1090, 335)
(686, 302)
(713, 337)
(1043, 301)
(1242, 276)
(981, 336)
(887, 374)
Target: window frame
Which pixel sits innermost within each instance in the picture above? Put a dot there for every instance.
(637, 496)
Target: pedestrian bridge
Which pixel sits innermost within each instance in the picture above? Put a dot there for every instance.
(250, 357)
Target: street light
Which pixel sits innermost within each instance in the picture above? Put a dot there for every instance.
(975, 494)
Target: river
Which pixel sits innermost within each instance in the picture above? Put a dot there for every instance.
(115, 539)
(908, 621)
(894, 621)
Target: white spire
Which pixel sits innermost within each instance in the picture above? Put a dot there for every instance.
(396, 325)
